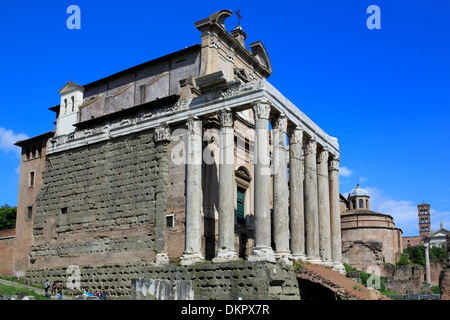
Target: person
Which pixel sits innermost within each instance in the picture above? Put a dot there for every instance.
(54, 288)
(97, 293)
(46, 286)
(103, 294)
(60, 292)
(86, 291)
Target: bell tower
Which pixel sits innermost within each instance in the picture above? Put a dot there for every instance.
(424, 221)
(71, 100)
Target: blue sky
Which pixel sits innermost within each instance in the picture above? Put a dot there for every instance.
(384, 93)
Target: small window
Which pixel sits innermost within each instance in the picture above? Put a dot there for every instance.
(28, 152)
(240, 211)
(73, 103)
(361, 203)
(31, 179)
(170, 220)
(33, 151)
(29, 212)
(64, 210)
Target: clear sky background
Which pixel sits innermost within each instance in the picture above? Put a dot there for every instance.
(385, 94)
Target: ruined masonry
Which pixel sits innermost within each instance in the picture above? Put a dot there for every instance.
(169, 171)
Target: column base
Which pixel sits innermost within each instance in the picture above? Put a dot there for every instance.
(299, 257)
(191, 258)
(327, 263)
(225, 255)
(161, 259)
(339, 267)
(262, 254)
(284, 256)
(314, 260)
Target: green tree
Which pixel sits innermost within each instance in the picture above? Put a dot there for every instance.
(7, 217)
(438, 253)
(416, 254)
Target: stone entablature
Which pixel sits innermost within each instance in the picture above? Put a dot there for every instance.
(238, 96)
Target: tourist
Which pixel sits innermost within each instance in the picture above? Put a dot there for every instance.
(103, 294)
(54, 289)
(60, 292)
(46, 286)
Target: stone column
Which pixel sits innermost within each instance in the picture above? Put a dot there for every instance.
(297, 218)
(311, 203)
(335, 215)
(262, 251)
(162, 138)
(226, 251)
(427, 264)
(323, 193)
(193, 241)
(280, 191)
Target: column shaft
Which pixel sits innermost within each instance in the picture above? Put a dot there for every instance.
(335, 215)
(262, 251)
(226, 251)
(311, 203)
(193, 242)
(280, 191)
(297, 218)
(324, 207)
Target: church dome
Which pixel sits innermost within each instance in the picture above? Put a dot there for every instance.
(358, 192)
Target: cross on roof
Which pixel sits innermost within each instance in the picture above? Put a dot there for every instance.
(238, 13)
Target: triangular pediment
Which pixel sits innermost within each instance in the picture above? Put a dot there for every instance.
(69, 87)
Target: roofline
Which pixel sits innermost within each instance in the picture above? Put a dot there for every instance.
(22, 143)
(172, 99)
(139, 66)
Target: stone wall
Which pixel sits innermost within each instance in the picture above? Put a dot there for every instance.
(248, 280)
(102, 203)
(404, 278)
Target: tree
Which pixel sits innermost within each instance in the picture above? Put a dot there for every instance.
(416, 254)
(7, 217)
(438, 253)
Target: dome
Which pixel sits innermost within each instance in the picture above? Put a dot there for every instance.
(358, 192)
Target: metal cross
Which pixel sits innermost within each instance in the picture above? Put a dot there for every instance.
(238, 13)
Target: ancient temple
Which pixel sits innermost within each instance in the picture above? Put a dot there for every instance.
(187, 158)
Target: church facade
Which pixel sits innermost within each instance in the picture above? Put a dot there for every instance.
(181, 160)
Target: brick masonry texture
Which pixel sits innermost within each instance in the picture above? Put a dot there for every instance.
(103, 203)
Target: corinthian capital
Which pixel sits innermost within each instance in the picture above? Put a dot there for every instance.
(194, 126)
(261, 109)
(323, 156)
(296, 135)
(281, 123)
(226, 118)
(311, 147)
(162, 133)
(334, 164)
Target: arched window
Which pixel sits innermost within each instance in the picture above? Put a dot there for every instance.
(73, 103)
(367, 204)
(65, 106)
(361, 203)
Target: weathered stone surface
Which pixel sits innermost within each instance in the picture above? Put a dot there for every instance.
(107, 202)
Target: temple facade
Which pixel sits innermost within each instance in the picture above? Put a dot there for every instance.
(190, 157)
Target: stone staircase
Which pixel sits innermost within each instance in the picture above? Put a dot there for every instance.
(345, 288)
